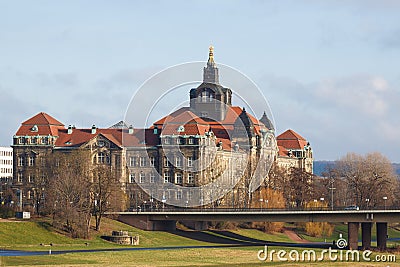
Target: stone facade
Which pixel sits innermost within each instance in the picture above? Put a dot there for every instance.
(210, 144)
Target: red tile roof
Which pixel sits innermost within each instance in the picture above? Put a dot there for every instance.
(46, 125)
(78, 137)
(291, 140)
(192, 124)
(283, 152)
(140, 138)
(226, 143)
(220, 128)
(42, 119)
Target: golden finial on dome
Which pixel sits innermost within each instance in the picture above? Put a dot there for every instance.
(211, 54)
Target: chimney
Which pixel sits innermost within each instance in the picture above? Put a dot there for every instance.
(94, 129)
(69, 131)
(130, 129)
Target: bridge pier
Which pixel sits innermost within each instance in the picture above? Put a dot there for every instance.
(143, 222)
(366, 228)
(353, 234)
(381, 235)
(163, 225)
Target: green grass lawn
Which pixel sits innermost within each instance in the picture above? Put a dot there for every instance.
(27, 235)
(341, 228)
(181, 257)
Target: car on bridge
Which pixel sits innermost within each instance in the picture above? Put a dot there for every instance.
(352, 207)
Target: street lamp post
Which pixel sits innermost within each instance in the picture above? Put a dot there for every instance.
(163, 200)
(322, 199)
(332, 181)
(384, 200)
(151, 203)
(367, 201)
(261, 203)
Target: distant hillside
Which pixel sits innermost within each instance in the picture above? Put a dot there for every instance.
(320, 167)
(396, 166)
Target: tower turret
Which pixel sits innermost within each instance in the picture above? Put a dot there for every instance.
(210, 73)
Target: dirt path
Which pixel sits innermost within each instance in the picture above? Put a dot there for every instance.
(293, 236)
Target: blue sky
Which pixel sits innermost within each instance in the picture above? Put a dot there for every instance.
(329, 69)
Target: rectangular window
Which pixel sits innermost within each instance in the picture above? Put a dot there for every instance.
(19, 177)
(20, 161)
(152, 161)
(189, 195)
(178, 194)
(166, 141)
(132, 161)
(178, 161)
(142, 178)
(100, 158)
(190, 161)
(166, 162)
(191, 141)
(31, 161)
(166, 177)
(178, 178)
(152, 178)
(190, 178)
(142, 161)
(132, 178)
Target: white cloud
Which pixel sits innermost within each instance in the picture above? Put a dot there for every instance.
(356, 113)
(364, 94)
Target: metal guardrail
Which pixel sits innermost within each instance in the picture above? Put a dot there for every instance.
(207, 209)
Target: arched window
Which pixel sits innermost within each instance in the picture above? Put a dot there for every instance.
(206, 96)
(103, 158)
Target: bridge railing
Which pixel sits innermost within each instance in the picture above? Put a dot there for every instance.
(236, 209)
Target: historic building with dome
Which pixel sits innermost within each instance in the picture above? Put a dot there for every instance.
(210, 142)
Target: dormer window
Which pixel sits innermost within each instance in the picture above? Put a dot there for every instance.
(34, 128)
(44, 140)
(181, 129)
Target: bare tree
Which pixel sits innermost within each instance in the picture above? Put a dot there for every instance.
(370, 180)
(295, 184)
(69, 194)
(106, 192)
(300, 187)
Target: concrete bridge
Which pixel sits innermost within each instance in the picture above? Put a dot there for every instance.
(166, 220)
